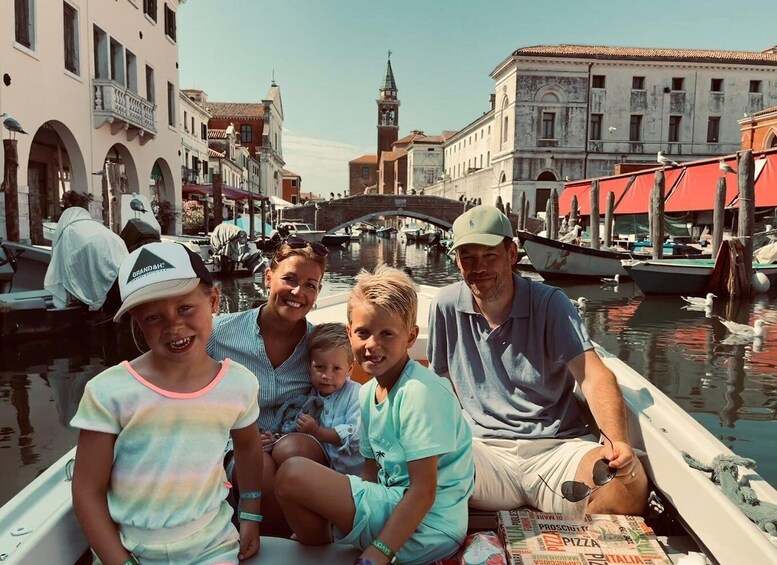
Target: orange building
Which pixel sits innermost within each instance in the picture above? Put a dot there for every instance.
(759, 131)
(292, 184)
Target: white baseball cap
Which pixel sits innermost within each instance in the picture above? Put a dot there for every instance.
(159, 270)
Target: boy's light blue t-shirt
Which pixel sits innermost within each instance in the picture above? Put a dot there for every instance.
(420, 418)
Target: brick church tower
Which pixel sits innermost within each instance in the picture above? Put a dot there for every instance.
(388, 112)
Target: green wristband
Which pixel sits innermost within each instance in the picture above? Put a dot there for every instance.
(131, 561)
(249, 516)
(385, 550)
(251, 495)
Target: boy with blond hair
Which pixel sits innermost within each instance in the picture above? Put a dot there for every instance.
(410, 504)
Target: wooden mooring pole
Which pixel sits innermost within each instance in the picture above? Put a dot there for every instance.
(573, 213)
(553, 201)
(657, 216)
(718, 215)
(594, 227)
(11, 190)
(746, 207)
(608, 219)
(520, 210)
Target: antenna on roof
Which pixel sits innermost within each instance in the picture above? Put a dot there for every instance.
(389, 54)
(273, 78)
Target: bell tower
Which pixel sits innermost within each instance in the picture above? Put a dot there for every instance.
(388, 111)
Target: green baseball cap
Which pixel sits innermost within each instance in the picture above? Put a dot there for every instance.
(482, 225)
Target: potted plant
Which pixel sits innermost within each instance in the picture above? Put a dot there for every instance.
(164, 213)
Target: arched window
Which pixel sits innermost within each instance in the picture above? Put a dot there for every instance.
(547, 176)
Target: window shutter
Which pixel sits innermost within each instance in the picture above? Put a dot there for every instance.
(22, 12)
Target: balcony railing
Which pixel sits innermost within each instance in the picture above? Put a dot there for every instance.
(114, 102)
(190, 176)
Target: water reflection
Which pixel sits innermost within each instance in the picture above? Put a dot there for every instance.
(729, 387)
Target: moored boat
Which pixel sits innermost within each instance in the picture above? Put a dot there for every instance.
(681, 276)
(38, 525)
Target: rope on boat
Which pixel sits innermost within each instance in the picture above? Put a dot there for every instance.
(724, 472)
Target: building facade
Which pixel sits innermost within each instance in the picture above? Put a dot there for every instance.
(292, 187)
(95, 86)
(193, 126)
(759, 131)
(568, 112)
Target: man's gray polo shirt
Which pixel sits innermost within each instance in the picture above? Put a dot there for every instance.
(512, 381)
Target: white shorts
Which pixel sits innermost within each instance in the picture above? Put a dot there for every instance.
(507, 472)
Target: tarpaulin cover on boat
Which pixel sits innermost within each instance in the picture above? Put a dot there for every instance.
(85, 260)
(636, 200)
(638, 225)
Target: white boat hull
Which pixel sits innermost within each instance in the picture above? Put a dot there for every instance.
(658, 427)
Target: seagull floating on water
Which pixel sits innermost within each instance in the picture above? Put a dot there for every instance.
(700, 302)
(580, 302)
(726, 168)
(665, 161)
(614, 281)
(11, 124)
(757, 330)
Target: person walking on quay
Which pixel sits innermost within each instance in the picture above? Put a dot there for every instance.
(272, 341)
(513, 349)
(169, 409)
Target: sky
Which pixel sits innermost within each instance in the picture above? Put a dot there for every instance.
(329, 57)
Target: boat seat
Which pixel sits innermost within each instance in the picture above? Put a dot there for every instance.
(281, 550)
(26, 300)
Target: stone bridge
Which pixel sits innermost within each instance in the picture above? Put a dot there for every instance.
(331, 215)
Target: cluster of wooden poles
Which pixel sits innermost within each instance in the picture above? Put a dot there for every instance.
(741, 246)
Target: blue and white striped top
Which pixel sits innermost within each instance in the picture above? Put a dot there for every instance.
(238, 337)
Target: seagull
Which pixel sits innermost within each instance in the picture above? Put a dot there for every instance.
(571, 235)
(11, 124)
(757, 330)
(725, 168)
(614, 281)
(611, 129)
(705, 302)
(580, 302)
(666, 162)
(137, 206)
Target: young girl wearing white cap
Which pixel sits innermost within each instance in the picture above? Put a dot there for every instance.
(149, 484)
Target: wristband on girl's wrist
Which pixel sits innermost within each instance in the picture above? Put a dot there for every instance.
(385, 550)
(251, 495)
(131, 561)
(250, 516)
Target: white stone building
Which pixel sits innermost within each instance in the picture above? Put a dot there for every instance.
(193, 126)
(574, 111)
(95, 85)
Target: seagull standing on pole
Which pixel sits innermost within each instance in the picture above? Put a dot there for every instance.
(725, 168)
(666, 162)
(11, 125)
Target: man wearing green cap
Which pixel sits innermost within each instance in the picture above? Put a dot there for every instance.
(513, 349)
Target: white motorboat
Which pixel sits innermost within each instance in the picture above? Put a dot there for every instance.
(301, 230)
(38, 525)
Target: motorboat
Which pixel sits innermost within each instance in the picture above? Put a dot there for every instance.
(301, 230)
(690, 514)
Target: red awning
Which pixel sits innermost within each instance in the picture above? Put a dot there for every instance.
(579, 189)
(636, 200)
(765, 183)
(615, 185)
(695, 191)
(226, 191)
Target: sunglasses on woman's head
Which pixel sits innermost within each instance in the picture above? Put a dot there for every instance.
(299, 243)
(575, 491)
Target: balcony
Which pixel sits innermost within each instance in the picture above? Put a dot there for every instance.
(190, 176)
(123, 109)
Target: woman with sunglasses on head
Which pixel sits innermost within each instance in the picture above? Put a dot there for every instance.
(271, 341)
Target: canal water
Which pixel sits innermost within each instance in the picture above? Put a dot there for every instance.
(730, 388)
